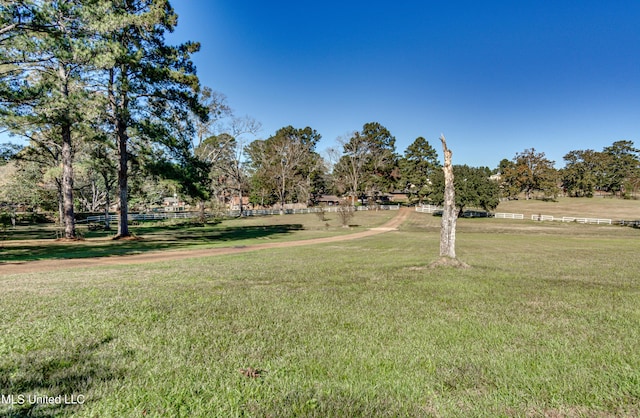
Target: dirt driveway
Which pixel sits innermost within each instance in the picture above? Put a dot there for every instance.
(155, 256)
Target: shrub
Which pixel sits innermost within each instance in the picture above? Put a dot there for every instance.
(346, 212)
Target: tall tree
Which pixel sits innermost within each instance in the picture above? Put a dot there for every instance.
(45, 50)
(369, 164)
(382, 165)
(225, 153)
(151, 86)
(216, 151)
(473, 189)
(419, 164)
(532, 171)
(235, 167)
(349, 170)
(623, 164)
(507, 188)
(261, 184)
(286, 158)
(584, 171)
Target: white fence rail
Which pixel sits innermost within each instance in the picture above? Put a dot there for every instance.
(260, 212)
(428, 208)
(326, 209)
(542, 217)
(539, 217)
(588, 220)
(597, 221)
(502, 215)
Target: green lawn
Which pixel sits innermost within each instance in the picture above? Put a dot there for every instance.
(545, 323)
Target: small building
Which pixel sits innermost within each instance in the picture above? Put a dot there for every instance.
(173, 204)
(234, 202)
(397, 196)
(329, 200)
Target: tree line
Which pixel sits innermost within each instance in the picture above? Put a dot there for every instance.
(615, 170)
(114, 115)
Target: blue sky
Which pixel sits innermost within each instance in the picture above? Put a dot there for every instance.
(496, 77)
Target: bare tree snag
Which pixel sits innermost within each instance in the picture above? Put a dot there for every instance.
(448, 226)
(449, 214)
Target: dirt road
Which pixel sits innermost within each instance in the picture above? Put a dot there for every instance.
(155, 256)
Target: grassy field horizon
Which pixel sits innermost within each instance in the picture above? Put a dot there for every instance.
(27, 243)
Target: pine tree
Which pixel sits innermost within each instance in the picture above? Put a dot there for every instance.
(45, 51)
(151, 87)
(418, 166)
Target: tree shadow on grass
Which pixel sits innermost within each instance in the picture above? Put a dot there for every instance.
(244, 233)
(154, 239)
(60, 379)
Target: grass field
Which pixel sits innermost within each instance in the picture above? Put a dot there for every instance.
(545, 323)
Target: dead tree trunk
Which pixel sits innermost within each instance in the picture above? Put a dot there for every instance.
(449, 215)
